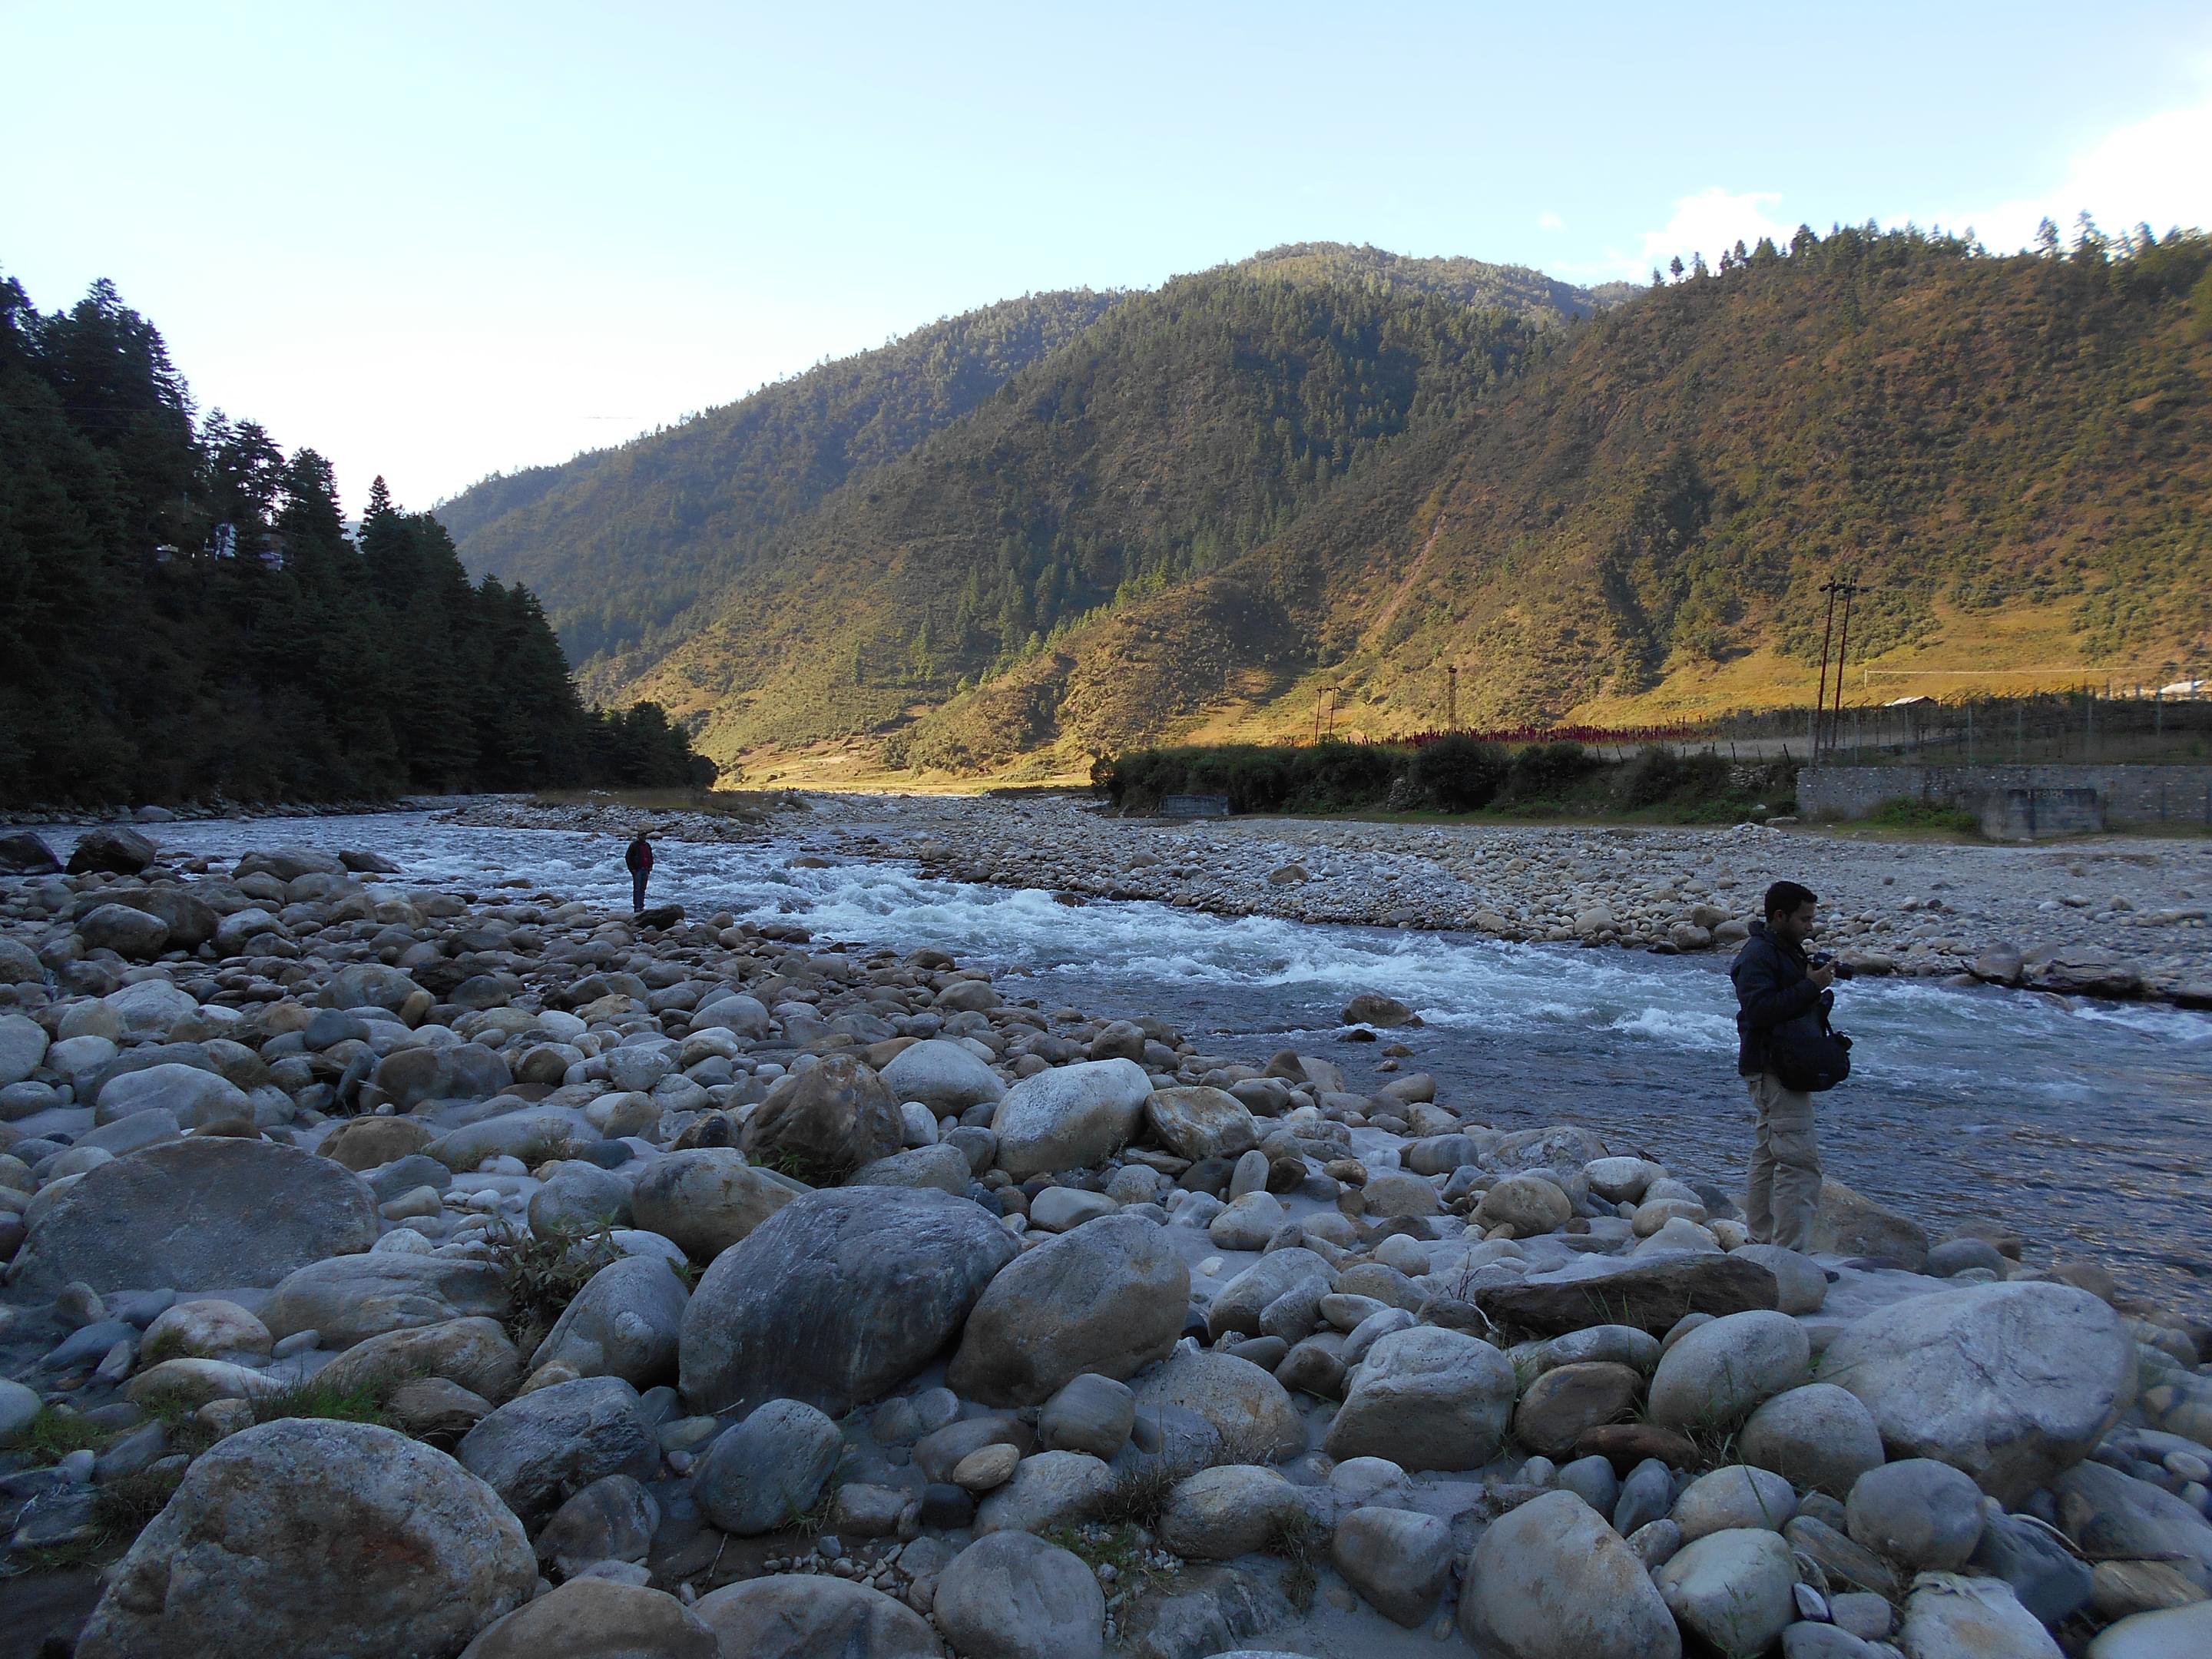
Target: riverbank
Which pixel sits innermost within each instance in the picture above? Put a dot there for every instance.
(1217, 1342)
(2116, 917)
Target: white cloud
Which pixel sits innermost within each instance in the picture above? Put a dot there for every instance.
(2152, 172)
(1709, 222)
(1549, 221)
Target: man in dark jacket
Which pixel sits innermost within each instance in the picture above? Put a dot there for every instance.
(1774, 984)
(639, 858)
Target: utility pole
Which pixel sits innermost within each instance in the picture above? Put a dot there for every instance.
(1451, 697)
(1332, 713)
(1849, 588)
(1831, 588)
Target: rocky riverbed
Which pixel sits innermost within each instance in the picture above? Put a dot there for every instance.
(436, 1268)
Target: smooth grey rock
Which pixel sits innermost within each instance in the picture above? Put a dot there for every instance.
(1247, 1412)
(1848, 1223)
(706, 1199)
(612, 1519)
(1231, 1509)
(1238, 1305)
(810, 1617)
(1550, 1580)
(579, 1198)
(1651, 1293)
(1801, 1282)
(349, 1298)
(822, 1123)
(1721, 1372)
(192, 1096)
(1050, 1489)
(1089, 1413)
(533, 1135)
(943, 1076)
(837, 1298)
(597, 1617)
(1013, 1597)
(1805, 1640)
(1201, 1122)
(1070, 1117)
(1733, 1589)
(1924, 1514)
(945, 1168)
(1426, 1399)
(473, 1353)
(198, 1215)
(306, 1535)
(625, 1322)
(1109, 1298)
(23, 1047)
(554, 1439)
(1733, 1497)
(2168, 1633)
(1565, 1401)
(1646, 1494)
(2050, 1580)
(768, 1470)
(2010, 1382)
(1950, 1617)
(1063, 1209)
(1819, 1436)
(2112, 1516)
(1399, 1559)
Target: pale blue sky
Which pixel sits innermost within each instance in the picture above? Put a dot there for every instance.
(439, 240)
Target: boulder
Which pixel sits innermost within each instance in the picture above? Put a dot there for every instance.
(838, 1296)
(113, 849)
(1426, 1399)
(579, 1197)
(534, 1134)
(1236, 1307)
(1848, 1223)
(133, 935)
(1715, 1375)
(1819, 1436)
(1089, 1413)
(1948, 1617)
(369, 1143)
(351, 1298)
(23, 1047)
(945, 1168)
(942, 1075)
(793, 1617)
(472, 1352)
(1199, 1123)
(1070, 1117)
(2110, 1515)
(1109, 1298)
(1552, 1580)
(1802, 1284)
(706, 1199)
(1399, 1559)
(188, 1093)
(1046, 1490)
(612, 1519)
(1565, 1401)
(768, 1470)
(1733, 1496)
(535, 1450)
(19, 965)
(597, 1619)
(1247, 1413)
(1734, 1589)
(625, 1322)
(821, 1124)
(22, 853)
(1231, 1509)
(1373, 1008)
(371, 985)
(1923, 1514)
(202, 1330)
(1527, 1203)
(463, 1071)
(1651, 1293)
(2010, 1382)
(306, 1535)
(1013, 1597)
(198, 1214)
(2164, 1634)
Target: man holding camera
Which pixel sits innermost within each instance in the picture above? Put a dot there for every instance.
(1784, 1053)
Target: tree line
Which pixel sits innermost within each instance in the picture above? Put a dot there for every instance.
(185, 614)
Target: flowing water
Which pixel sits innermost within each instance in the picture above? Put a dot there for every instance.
(2086, 1125)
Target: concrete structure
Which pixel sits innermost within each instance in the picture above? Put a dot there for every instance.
(2018, 803)
(1195, 807)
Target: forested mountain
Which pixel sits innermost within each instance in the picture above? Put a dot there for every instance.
(1301, 472)
(183, 615)
(619, 542)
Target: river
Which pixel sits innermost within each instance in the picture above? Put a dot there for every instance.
(2086, 1125)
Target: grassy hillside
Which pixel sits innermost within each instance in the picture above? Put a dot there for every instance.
(619, 542)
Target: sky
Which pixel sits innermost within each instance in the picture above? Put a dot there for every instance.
(440, 241)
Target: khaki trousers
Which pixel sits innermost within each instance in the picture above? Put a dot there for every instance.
(1784, 1191)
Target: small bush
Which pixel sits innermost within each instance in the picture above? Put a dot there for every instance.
(1900, 812)
(1543, 773)
(543, 1275)
(1458, 773)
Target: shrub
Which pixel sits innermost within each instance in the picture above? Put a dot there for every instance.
(1457, 773)
(1549, 771)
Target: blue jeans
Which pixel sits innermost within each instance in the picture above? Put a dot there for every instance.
(637, 889)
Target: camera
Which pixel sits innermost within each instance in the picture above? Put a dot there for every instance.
(1825, 960)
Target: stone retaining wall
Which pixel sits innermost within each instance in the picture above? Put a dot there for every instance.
(2018, 802)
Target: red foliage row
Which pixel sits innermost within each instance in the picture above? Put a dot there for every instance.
(1518, 735)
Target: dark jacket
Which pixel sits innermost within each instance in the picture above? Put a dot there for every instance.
(639, 858)
(1772, 984)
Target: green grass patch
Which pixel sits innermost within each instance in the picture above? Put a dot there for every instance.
(1900, 812)
(53, 1434)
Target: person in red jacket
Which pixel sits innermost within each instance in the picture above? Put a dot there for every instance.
(639, 858)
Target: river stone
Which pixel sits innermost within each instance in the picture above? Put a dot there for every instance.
(1732, 1498)
(534, 1134)
(192, 1384)
(1201, 1122)
(1092, 1414)
(706, 1199)
(1926, 1516)
(624, 1322)
(1013, 1597)
(2110, 1515)
(2166, 1634)
(838, 1296)
(1046, 1490)
(579, 1197)
(1848, 1223)
(306, 1535)
(473, 1353)
(133, 935)
(943, 1076)
(201, 1330)
(1399, 1559)
(612, 1519)
(821, 1124)
(535, 1450)
(595, 1618)
(1802, 1283)
(770, 1467)
(1109, 1298)
(1718, 1373)
(23, 854)
(945, 1168)
(23, 1047)
(369, 1143)
(351, 1298)
(1527, 1203)
(463, 1071)
(1232, 1510)
(2051, 1581)
(112, 848)
(371, 985)
(1819, 1436)
(197, 1214)
(1949, 1617)
(1426, 1399)
(814, 1617)
(1734, 1588)
(1651, 1293)
(191, 1096)
(1566, 1400)
(1070, 1117)
(150, 1008)
(1550, 1580)
(1248, 1412)
(1238, 1305)
(2010, 1382)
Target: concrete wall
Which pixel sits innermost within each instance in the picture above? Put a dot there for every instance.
(2018, 802)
